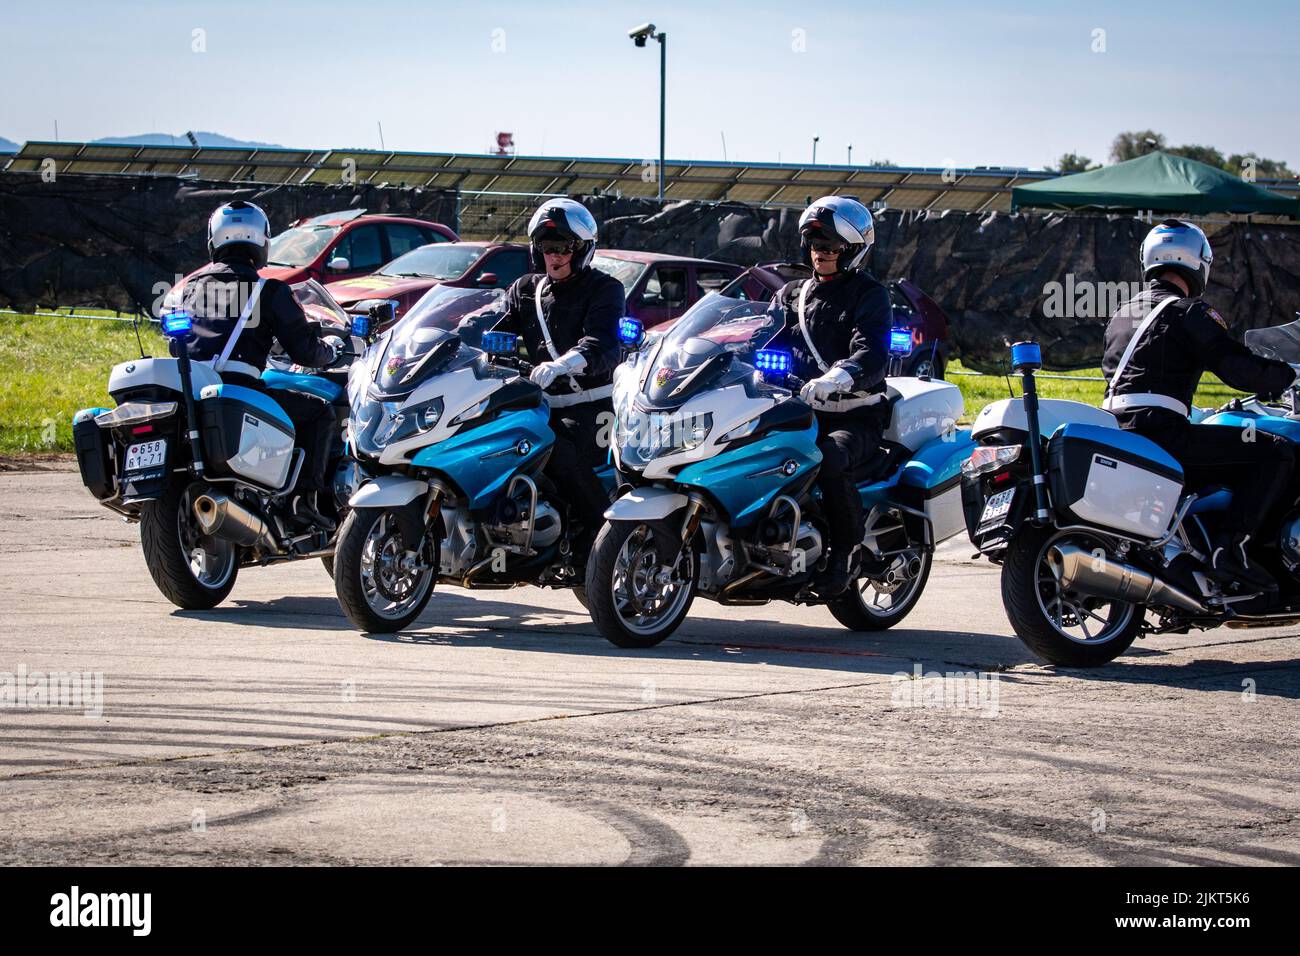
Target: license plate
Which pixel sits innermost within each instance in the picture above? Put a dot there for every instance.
(997, 506)
(146, 455)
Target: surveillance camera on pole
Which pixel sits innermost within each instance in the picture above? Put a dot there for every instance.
(642, 33)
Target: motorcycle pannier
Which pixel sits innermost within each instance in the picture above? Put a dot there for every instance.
(1114, 479)
(91, 443)
(245, 434)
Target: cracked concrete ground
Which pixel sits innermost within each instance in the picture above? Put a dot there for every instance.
(502, 729)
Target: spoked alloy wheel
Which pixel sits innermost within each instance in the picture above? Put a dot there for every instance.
(382, 585)
(192, 570)
(1060, 625)
(634, 597)
(878, 602)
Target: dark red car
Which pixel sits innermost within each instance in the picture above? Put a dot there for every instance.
(912, 309)
(341, 245)
(471, 265)
(659, 287)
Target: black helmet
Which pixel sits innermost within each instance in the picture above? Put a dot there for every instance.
(563, 219)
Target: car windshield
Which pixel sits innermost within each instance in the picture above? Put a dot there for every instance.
(438, 261)
(1281, 342)
(300, 246)
(421, 343)
(624, 271)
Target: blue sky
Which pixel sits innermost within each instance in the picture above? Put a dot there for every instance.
(920, 83)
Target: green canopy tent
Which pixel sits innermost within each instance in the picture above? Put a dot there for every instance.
(1160, 182)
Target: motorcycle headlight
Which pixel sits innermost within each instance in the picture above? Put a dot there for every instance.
(407, 422)
(680, 433)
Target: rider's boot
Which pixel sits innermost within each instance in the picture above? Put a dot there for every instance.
(1230, 562)
(305, 509)
(841, 571)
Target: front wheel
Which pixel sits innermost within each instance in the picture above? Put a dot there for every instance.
(193, 571)
(636, 599)
(381, 584)
(1061, 626)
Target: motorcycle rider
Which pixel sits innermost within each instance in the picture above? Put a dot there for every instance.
(568, 314)
(1158, 344)
(217, 295)
(837, 333)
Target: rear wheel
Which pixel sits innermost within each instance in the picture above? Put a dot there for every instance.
(635, 598)
(1062, 626)
(193, 571)
(381, 584)
(878, 603)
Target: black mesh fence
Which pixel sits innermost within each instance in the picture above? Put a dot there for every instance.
(106, 241)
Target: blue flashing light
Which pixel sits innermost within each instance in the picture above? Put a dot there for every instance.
(773, 361)
(900, 341)
(1026, 355)
(361, 326)
(177, 323)
(630, 331)
(500, 343)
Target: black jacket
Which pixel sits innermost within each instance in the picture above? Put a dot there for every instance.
(849, 318)
(215, 295)
(582, 313)
(1186, 339)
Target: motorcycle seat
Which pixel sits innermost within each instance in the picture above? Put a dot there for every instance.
(1212, 498)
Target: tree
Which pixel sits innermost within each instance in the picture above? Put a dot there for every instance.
(1202, 154)
(1132, 144)
(1263, 168)
(1074, 163)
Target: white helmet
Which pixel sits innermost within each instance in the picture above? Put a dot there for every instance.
(240, 222)
(567, 220)
(842, 219)
(1179, 245)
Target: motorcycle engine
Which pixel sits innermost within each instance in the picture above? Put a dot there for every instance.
(1289, 542)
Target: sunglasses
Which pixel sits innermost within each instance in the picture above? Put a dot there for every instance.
(552, 247)
(828, 248)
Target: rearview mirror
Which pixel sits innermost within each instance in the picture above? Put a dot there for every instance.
(338, 264)
(487, 278)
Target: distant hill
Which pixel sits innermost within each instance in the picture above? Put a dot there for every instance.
(8, 145)
(167, 139)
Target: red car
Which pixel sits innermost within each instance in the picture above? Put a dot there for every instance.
(340, 245)
(659, 287)
(472, 265)
(912, 309)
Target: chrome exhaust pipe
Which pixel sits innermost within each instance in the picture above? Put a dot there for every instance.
(1086, 571)
(219, 517)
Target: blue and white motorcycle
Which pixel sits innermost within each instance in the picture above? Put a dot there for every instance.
(201, 465)
(719, 458)
(455, 436)
(1099, 539)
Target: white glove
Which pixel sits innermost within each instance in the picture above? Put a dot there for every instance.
(570, 363)
(335, 345)
(821, 388)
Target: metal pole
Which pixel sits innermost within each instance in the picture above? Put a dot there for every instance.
(663, 68)
(815, 138)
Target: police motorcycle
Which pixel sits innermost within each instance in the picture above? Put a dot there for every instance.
(454, 438)
(1099, 539)
(200, 464)
(718, 458)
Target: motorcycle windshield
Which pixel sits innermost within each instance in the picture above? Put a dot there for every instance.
(1281, 342)
(427, 340)
(704, 344)
(319, 304)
